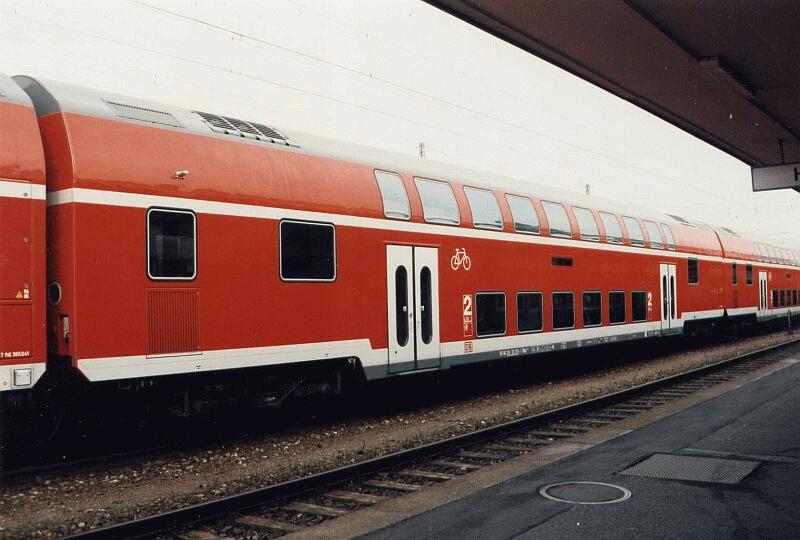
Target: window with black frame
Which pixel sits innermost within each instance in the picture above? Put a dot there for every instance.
(529, 312)
(592, 308)
(639, 306)
(563, 310)
(694, 272)
(490, 314)
(616, 307)
(171, 244)
(308, 251)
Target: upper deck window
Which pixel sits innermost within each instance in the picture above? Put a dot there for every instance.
(171, 244)
(635, 233)
(760, 250)
(654, 234)
(586, 224)
(557, 219)
(393, 194)
(613, 229)
(485, 210)
(668, 235)
(524, 214)
(771, 252)
(438, 202)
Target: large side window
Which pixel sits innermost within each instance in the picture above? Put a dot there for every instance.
(171, 244)
(616, 307)
(393, 194)
(524, 214)
(592, 309)
(772, 257)
(557, 219)
(438, 202)
(774, 298)
(529, 312)
(635, 233)
(668, 235)
(586, 224)
(613, 229)
(734, 273)
(748, 273)
(485, 210)
(490, 314)
(563, 310)
(308, 251)
(655, 235)
(694, 272)
(639, 306)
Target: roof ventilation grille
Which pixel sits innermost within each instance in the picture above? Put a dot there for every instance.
(682, 221)
(242, 128)
(143, 114)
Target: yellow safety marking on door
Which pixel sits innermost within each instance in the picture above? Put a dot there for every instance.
(19, 295)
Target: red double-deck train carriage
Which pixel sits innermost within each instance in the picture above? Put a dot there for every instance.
(186, 249)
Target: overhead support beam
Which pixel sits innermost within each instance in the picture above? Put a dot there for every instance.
(718, 70)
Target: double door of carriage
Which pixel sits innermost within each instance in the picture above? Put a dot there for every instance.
(669, 297)
(412, 282)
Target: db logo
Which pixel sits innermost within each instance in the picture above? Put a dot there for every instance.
(460, 259)
(467, 346)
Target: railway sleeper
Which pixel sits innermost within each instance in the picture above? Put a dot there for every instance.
(317, 509)
(490, 456)
(355, 497)
(396, 486)
(261, 523)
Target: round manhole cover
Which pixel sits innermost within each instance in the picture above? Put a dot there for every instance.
(585, 493)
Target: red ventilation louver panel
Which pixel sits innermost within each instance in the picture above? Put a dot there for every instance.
(173, 322)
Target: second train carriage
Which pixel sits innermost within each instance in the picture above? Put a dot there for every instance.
(185, 245)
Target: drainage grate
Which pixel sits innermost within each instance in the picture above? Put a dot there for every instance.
(693, 468)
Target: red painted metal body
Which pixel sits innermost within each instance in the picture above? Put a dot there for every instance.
(22, 246)
(103, 173)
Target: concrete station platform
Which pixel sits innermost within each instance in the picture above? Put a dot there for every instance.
(745, 431)
(753, 426)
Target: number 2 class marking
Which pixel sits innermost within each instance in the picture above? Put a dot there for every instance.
(467, 305)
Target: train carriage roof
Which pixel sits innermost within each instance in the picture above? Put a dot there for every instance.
(21, 154)
(50, 97)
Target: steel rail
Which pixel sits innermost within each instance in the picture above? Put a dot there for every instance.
(208, 511)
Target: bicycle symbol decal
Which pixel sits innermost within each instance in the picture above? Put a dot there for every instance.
(460, 259)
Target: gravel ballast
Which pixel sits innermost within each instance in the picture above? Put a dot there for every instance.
(69, 501)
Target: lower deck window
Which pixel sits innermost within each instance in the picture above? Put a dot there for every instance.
(748, 270)
(171, 244)
(308, 251)
(794, 297)
(529, 312)
(783, 298)
(639, 306)
(774, 298)
(616, 307)
(592, 309)
(490, 314)
(563, 310)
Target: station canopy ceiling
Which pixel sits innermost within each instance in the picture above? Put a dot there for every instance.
(725, 71)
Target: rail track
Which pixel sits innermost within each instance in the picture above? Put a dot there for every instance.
(292, 506)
